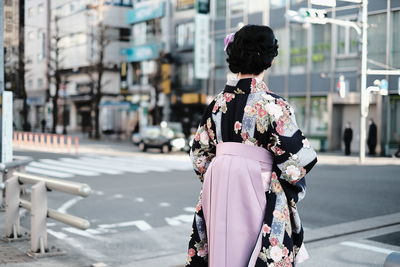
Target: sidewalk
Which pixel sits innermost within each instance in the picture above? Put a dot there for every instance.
(126, 148)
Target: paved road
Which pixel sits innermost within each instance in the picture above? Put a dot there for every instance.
(142, 206)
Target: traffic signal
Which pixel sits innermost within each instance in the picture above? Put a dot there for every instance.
(312, 13)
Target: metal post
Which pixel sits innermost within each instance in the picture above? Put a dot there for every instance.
(1, 67)
(38, 218)
(12, 208)
(308, 76)
(1, 50)
(363, 89)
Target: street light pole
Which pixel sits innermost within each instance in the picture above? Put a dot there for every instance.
(1, 70)
(363, 92)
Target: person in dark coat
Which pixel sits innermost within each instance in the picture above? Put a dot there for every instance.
(347, 138)
(372, 137)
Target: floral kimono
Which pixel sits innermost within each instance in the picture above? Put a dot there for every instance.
(248, 112)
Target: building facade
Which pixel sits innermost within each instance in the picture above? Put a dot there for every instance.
(65, 34)
(313, 57)
(37, 22)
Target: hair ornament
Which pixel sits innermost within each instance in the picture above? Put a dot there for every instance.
(228, 39)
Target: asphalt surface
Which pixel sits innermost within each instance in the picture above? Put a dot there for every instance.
(143, 212)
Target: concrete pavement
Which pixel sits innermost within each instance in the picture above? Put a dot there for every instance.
(342, 224)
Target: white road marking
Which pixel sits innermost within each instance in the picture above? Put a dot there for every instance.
(48, 172)
(178, 220)
(114, 165)
(81, 233)
(51, 224)
(189, 209)
(146, 164)
(366, 247)
(79, 165)
(169, 164)
(97, 163)
(64, 207)
(139, 199)
(99, 193)
(100, 168)
(58, 235)
(164, 204)
(116, 196)
(142, 225)
(63, 169)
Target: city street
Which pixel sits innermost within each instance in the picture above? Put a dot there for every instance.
(142, 205)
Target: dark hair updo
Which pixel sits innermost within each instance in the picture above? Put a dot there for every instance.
(252, 50)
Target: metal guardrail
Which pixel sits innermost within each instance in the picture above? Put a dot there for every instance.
(392, 260)
(47, 141)
(14, 182)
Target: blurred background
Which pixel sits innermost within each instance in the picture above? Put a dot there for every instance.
(110, 93)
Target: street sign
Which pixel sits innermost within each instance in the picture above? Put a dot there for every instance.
(341, 86)
(330, 3)
(201, 46)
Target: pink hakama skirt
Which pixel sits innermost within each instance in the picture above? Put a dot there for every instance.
(234, 202)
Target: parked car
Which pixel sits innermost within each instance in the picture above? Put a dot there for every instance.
(166, 138)
(136, 138)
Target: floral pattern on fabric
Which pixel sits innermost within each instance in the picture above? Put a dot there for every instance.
(250, 113)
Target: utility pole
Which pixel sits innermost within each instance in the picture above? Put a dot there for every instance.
(1, 71)
(1, 48)
(363, 89)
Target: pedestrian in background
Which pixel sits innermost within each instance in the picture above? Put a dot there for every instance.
(252, 158)
(347, 138)
(372, 137)
(43, 123)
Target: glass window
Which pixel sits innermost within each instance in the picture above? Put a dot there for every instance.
(40, 8)
(298, 48)
(395, 120)
(321, 47)
(221, 8)
(30, 83)
(31, 35)
(278, 3)
(347, 41)
(395, 53)
(279, 66)
(319, 114)
(236, 7)
(40, 82)
(185, 74)
(220, 54)
(184, 34)
(377, 39)
(31, 11)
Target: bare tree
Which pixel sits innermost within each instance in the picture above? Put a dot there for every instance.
(54, 70)
(97, 66)
(15, 69)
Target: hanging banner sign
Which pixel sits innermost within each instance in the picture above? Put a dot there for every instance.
(202, 47)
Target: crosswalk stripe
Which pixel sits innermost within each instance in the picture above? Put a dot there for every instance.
(105, 164)
(63, 169)
(77, 165)
(153, 166)
(172, 164)
(48, 172)
(117, 165)
(101, 168)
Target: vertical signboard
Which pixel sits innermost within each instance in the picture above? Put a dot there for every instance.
(6, 126)
(202, 47)
(123, 79)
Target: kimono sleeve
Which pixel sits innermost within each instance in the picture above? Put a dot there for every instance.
(204, 147)
(293, 155)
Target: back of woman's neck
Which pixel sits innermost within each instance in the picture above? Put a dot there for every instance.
(244, 76)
